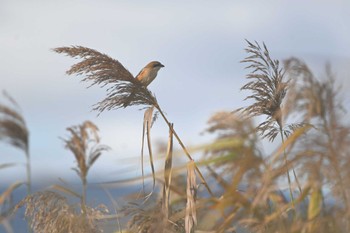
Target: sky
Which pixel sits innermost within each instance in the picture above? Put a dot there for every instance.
(199, 42)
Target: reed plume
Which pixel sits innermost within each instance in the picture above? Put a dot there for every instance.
(14, 131)
(48, 211)
(102, 70)
(269, 89)
(268, 86)
(84, 144)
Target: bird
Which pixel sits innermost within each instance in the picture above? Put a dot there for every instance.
(146, 76)
(149, 73)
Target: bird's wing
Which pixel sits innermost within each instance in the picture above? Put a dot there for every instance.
(140, 74)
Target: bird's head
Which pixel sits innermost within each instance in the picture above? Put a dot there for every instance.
(155, 65)
(149, 72)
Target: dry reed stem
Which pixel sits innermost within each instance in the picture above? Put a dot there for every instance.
(185, 150)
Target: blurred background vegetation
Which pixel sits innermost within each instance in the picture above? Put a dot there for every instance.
(234, 185)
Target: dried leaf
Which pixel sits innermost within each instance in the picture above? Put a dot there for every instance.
(147, 122)
(191, 192)
(8, 191)
(66, 190)
(167, 175)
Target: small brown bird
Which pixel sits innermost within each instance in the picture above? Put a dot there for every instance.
(149, 72)
(146, 76)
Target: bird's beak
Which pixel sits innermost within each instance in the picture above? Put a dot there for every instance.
(161, 65)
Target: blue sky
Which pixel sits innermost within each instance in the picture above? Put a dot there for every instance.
(199, 42)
